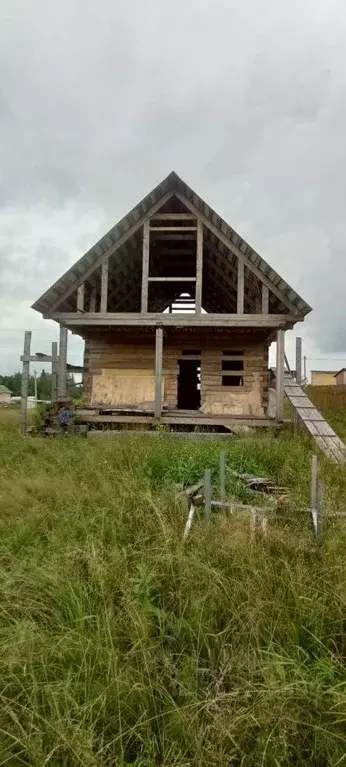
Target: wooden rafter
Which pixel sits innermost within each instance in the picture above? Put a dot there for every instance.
(238, 253)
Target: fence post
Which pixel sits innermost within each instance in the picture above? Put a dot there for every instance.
(207, 494)
(319, 509)
(223, 475)
(25, 383)
(314, 492)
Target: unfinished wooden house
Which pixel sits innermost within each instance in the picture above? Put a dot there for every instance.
(177, 313)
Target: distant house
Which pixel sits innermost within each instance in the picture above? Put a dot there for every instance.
(5, 395)
(323, 377)
(340, 377)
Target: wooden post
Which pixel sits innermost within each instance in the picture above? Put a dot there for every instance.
(25, 382)
(199, 267)
(305, 377)
(92, 304)
(223, 475)
(62, 382)
(314, 491)
(265, 299)
(299, 361)
(104, 286)
(240, 287)
(319, 509)
(80, 297)
(145, 265)
(54, 384)
(207, 494)
(158, 371)
(280, 369)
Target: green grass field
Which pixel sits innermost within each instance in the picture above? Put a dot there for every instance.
(120, 645)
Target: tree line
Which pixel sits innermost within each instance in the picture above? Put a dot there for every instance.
(44, 383)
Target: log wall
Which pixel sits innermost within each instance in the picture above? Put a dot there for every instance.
(122, 365)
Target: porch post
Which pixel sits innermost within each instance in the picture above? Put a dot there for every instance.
(158, 371)
(55, 362)
(62, 383)
(280, 367)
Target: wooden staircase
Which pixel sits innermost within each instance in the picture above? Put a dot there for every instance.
(318, 427)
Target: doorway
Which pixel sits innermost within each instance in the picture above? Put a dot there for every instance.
(189, 384)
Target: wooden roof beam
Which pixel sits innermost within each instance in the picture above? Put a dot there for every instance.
(240, 255)
(109, 251)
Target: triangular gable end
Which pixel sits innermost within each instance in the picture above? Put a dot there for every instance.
(121, 249)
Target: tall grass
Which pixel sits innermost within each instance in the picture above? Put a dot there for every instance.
(119, 645)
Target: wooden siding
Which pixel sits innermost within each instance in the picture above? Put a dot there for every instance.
(323, 378)
(132, 356)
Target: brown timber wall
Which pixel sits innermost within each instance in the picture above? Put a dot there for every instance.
(109, 355)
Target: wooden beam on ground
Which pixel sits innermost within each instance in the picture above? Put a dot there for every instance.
(80, 297)
(25, 383)
(237, 252)
(55, 362)
(240, 287)
(104, 286)
(62, 377)
(199, 267)
(265, 299)
(145, 266)
(137, 319)
(280, 370)
(158, 371)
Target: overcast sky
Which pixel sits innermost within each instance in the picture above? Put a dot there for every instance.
(244, 99)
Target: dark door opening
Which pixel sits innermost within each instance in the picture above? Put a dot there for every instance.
(189, 387)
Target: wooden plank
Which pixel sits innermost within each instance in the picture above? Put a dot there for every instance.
(174, 320)
(80, 297)
(176, 229)
(199, 268)
(104, 286)
(145, 266)
(173, 217)
(280, 352)
(62, 379)
(240, 287)
(265, 299)
(172, 279)
(92, 303)
(55, 362)
(25, 383)
(240, 255)
(158, 371)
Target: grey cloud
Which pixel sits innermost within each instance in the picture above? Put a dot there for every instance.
(245, 101)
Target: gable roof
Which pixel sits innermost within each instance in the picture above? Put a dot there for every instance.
(4, 390)
(223, 243)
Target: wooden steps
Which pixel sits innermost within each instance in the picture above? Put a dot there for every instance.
(318, 427)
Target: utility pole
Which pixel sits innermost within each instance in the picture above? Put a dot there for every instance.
(305, 379)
